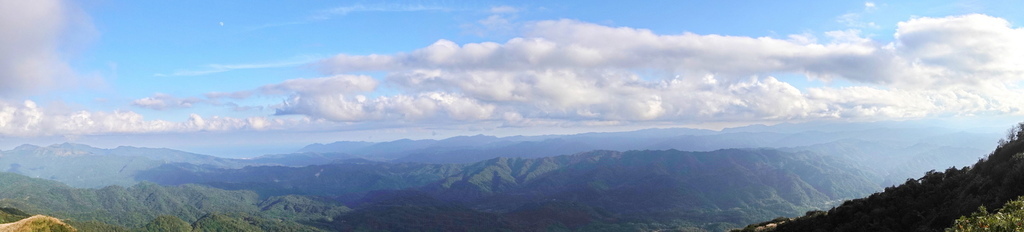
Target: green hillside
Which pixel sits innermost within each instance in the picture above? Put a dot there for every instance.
(8, 215)
(137, 206)
(933, 202)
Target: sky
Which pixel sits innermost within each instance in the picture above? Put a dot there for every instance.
(239, 77)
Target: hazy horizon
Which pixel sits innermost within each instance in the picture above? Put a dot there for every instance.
(243, 147)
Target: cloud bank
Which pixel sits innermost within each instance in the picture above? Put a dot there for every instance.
(30, 119)
(573, 73)
(567, 70)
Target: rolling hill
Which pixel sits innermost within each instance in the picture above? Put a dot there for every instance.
(37, 223)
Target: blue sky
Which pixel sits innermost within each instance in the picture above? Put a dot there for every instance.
(245, 73)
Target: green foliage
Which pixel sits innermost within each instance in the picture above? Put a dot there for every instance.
(115, 208)
(730, 189)
(1013, 134)
(301, 208)
(1009, 218)
(166, 223)
(318, 180)
(274, 224)
(8, 215)
(222, 223)
(96, 226)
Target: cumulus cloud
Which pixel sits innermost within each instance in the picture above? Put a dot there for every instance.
(339, 98)
(573, 44)
(31, 49)
(437, 106)
(570, 70)
(30, 119)
(567, 73)
(963, 49)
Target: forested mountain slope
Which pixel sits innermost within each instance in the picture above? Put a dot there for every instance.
(734, 186)
(135, 206)
(929, 203)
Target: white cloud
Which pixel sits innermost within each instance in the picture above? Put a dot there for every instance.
(567, 73)
(974, 49)
(572, 44)
(333, 84)
(30, 119)
(162, 101)
(574, 71)
(231, 95)
(503, 10)
(501, 23)
(338, 98)
(435, 106)
(31, 55)
(340, 85)
(854, 19)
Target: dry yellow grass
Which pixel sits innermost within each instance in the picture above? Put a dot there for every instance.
(37, 223)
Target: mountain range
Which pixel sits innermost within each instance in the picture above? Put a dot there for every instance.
(656, 179)
(892, 154)
(682, 188)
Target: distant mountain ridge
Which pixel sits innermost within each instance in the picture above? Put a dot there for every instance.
(893, 153)
(635, 184)
(81, 165)
(84, 166)
(481, 147)
(98, 167)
